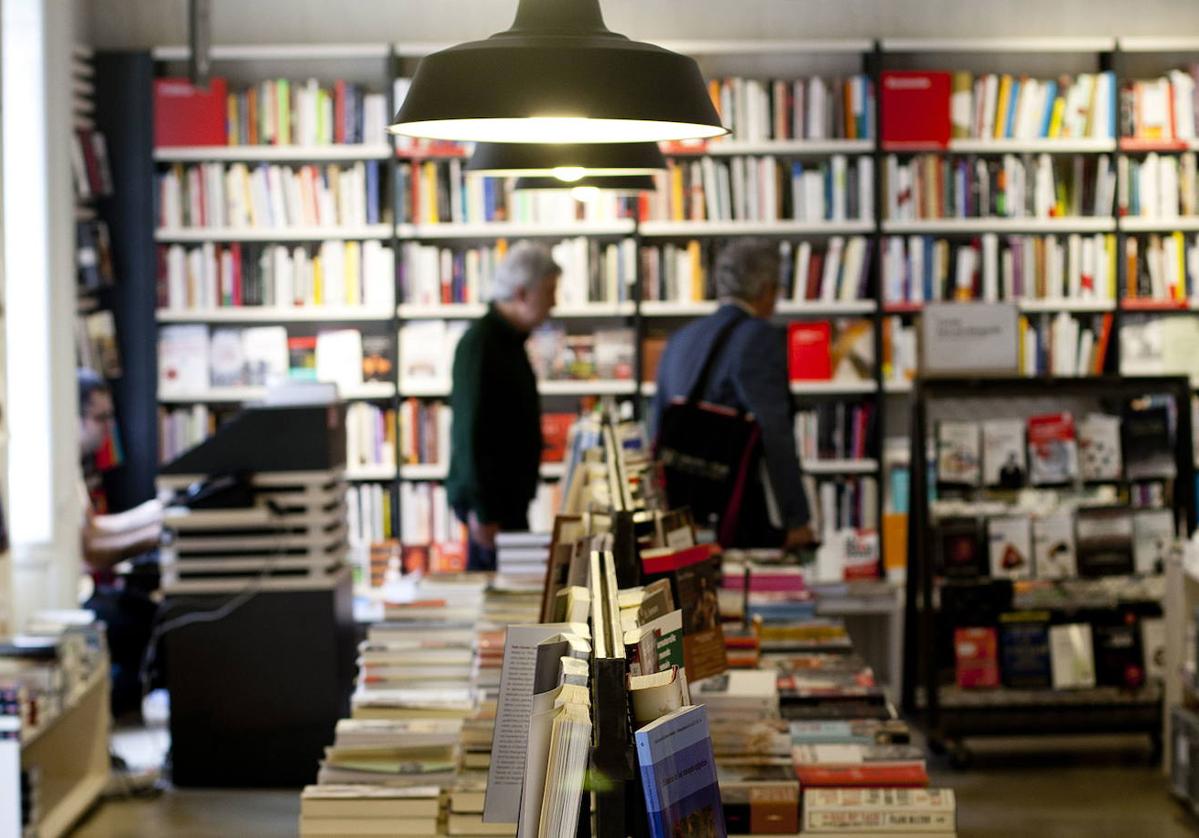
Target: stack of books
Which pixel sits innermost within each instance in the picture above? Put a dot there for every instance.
(359, 810)
(392, 752)
(370, 436)
(425, 432)
(521, 557)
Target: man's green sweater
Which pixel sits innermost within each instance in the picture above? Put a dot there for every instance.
(495, 439)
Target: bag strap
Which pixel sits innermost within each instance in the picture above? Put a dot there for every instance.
(726, 331)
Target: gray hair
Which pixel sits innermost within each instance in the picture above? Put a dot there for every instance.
(746, 268)
(525, 265)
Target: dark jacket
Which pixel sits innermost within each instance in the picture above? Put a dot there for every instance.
(495, 437)
(750, 373)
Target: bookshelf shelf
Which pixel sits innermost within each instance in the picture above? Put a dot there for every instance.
(1038, 145)
(1034, 44)
(278, 234)
(1185, 224)
(1155, 305)
(833, 388)
(608, 387)
(585, 310)
(956, 697)
(366, 474)
(272, 153)
(506, 230)
(898, 387)
(781, 46)
(822, 308)
(676, 229)
(273, 314)
(1076, 306)
(1133, 145)
(666, 308)
(1080, 224)
(277, 52)
(424, 471)
(866, 466)
(446, 311)
(424, 389)
(553, 471)
(798, 148)
(1150, 43)
(216, 395)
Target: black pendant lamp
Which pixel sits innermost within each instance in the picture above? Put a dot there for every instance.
(559, 75)
(620, 185)
(566, 163)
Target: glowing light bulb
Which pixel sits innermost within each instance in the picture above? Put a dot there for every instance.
(585, 193)
(569, 174)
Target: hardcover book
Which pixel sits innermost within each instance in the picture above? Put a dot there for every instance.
(882, 811)
(915, 107)
(1148, 438)
(1052, 449)
(1004, 461)
(703, 638)
(961, 549)
(958, 460)
(1053, 546)
(1104, 542)
(1072, 656)
(1118, 661)
(1099, 451)
(976, 659)
(1153, 537)
(1009, 542)
(678, 775)
(809, 351)
(1024, 648)
(759, 799)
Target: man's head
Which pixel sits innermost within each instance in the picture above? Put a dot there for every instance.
(748, 271)
(95, 412)
(526, 284)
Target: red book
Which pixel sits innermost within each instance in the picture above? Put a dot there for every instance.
(915, 108)
(1105, 336)
(863, 775)
(238, 292)
(339, 112)
(666, 560)
(188, 115)
(809, 354)
(976, 657)
(555, 428)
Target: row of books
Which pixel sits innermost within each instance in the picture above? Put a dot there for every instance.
(90, 171)
(1062, 346)
(1161, 267)
(439, 192)
(605, 354)
(216, 195)
(900, 356)
(933, 186)
(824, 350)
(96, 343)
(1158, 186)
(93, 256)
(762, 189)
(1162, 108)
(193, 358)
(331, 273)
(842, 503)
(1003, 106)
(182, 428)
(1027, 651)
(370, 436)
(917, 269)
(425, 432)
(370, 508)
(837, 431)
(426, 518)
(796, 109)
(285, 112)
(1087, 542)
(592, 272)
(1053, 449)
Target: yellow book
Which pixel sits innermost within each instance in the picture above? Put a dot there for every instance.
(231, 132)
(318, 282)
(677, 209)
(714, 95)
(1109, 249)
(1055, 119)
(501, 249)
(1181, 292)
(1005, 92)
(333, 178)
(352, 270)
(283, 89)
(695, 259)
(429, 191)
(1022, 362)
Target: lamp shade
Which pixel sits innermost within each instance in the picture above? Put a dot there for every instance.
(559, 75)
(566, 162)
(618, 184)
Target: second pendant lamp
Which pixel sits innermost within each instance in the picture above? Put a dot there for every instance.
(558, 75)
(567, 163)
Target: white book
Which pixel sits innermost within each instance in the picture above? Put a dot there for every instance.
(1072, 656)
(339, 358)
(832, 268)
(990, 257)
(1053, 546)
(839, 175)
(803, 258)
(817, 104)
(1086, 346)
(855, 252)
(990, 102)
(182, 359)
(1005, 462)
(1009, 542)
(1153, 540)
(866, 188)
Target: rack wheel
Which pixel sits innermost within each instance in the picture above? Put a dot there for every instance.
(960, 757)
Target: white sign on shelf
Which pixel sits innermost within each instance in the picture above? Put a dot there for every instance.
(970, 339)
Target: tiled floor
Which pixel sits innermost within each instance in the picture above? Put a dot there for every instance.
(1068, 788)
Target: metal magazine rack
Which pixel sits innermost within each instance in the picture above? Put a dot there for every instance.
(951, 714)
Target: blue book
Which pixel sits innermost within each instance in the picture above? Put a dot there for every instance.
(1009, 120)
(1024, 645)
(1047, 117)
(927, 279)
(372, 191)
(678, 775)
(1109, 79)
(901, 487)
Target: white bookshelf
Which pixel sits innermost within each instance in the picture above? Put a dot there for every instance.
(1038, 145)
(678, 229)
(370, 473)
(1038, 44)
(1135, 224)
(367, 391)
(893, 387)
(1076, 306)
(424, 388)
(834, 467)
(277, 234)
(442, 311)
(794, 148)
(274, 314)
(1078, 224)
(1154, 43)
(272, 153)
(769, 46)
(667, 308)
(514, 230)
(277, 52)
(835, 387)
(598, 387)
(824, 308)
(425, 471)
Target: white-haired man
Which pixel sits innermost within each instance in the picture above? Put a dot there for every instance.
(495, 439)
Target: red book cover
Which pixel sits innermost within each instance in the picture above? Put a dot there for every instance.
(915, 108)
(188, 115)
(863, 775)
(809, 354)
(1105, 336)
(339, 112)
(976, 657)
(238, 292)
(666, 560)
(555, 428)
(815, 272)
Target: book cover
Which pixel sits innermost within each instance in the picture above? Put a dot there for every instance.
(1153, 647)
(1009, 543)
(1099, 451)
(187, 115)
(1153, 537)
(915, 106)
(1024, 649)
(961, 549)
(976, 657)
(759, 799)
(703, 639)
(226, 359)
(678, 774)
(1148, 439)
(1004, 461)
(879, 811)
(555, 428)
(1052, 449)
(958, 454)
(809, 350)
(1104, 541)
(1072, 656)
(1118, 661)
(377, 358)
(1053, 546)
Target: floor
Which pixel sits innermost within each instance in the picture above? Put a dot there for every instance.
(1067, 788)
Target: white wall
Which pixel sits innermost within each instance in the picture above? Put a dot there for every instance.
(144, 23)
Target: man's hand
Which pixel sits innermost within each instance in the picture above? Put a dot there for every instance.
(482, 533)
(799, 537)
